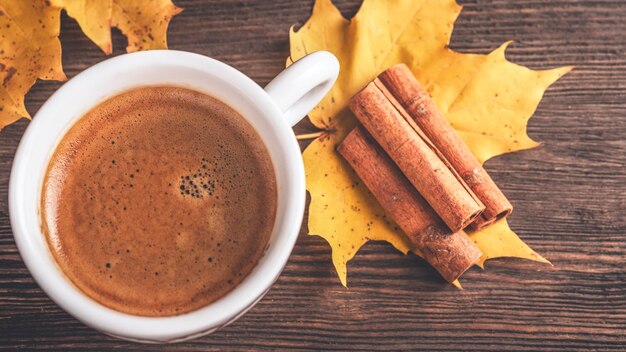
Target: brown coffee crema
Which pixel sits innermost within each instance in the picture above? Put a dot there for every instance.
(159, 201)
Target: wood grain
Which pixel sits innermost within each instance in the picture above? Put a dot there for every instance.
(569, 195)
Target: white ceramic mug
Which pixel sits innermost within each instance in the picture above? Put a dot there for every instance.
(272, 112)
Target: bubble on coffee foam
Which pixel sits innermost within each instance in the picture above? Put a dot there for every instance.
(201, 182)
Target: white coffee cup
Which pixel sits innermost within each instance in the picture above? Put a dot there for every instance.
(272, 112)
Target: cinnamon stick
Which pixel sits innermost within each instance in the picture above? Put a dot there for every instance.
(451, 254)
(401, 82)
(401, 139)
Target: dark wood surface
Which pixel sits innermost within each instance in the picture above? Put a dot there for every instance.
(569, 194)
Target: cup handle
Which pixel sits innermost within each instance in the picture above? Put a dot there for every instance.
(302, 85)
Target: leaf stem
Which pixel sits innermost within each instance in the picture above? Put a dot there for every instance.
(302, 137)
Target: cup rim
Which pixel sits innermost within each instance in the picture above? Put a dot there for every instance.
(58, 287)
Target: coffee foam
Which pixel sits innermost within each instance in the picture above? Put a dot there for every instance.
(159, 201)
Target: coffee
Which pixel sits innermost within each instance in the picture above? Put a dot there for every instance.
(159, 201)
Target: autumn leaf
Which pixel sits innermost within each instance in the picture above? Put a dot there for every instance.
(94, 18)
(30, 48)
(486, 98)
(144, 22)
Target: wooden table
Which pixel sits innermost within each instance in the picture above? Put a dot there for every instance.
(569, 194)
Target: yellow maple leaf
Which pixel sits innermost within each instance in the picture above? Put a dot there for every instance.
(94, 18)
(487, 99)
(144, 22)
(29, 39)
(29, 49)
